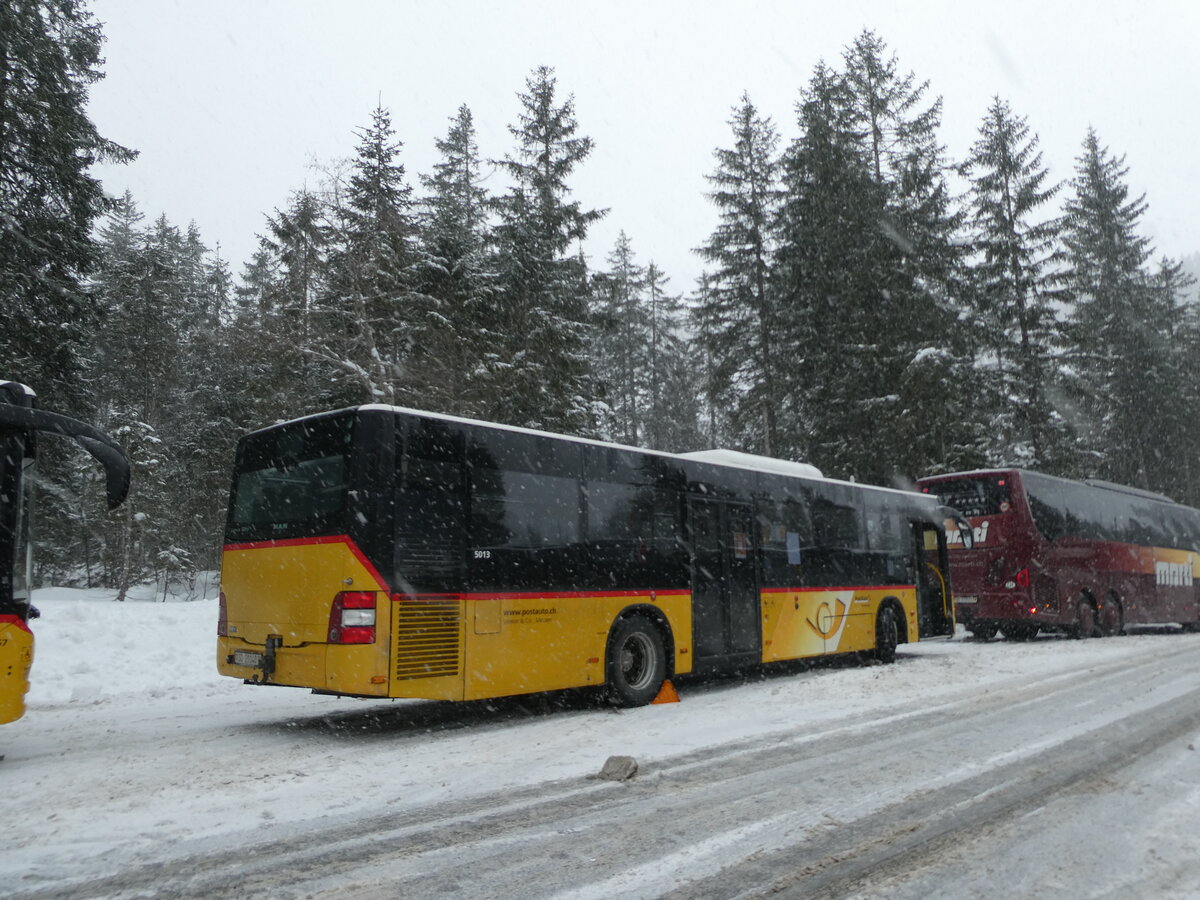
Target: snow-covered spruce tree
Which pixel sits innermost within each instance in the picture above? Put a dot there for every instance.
(288, 280)
(456, 274)
(1178, 285)
(1172, 286)
(676, 379)
(138, 383)
(738, 313)
(869, 268)
(825, 268)
(1018, 282)
(538, 375)
(371, 318)
(49, 58)
(1118, 335)
(913, 373)
(620, 352)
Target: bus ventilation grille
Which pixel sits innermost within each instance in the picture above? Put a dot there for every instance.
(428, 638)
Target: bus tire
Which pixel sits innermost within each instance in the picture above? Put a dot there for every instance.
(1085, 619)
(983, 631)
(887, 634)
(1112, 618)
(637, 662)
(1019, 631)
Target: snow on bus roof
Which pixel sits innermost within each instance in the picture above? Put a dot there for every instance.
(734, 459)
(741, 460)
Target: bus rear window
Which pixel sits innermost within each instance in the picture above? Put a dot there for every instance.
(987, 496)
(292, 481)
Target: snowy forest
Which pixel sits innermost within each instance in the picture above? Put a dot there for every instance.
(873, 302)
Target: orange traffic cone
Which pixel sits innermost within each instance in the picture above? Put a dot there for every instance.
(667, 693)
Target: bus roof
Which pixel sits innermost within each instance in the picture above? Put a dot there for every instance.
(733, 459)
(1090, 482)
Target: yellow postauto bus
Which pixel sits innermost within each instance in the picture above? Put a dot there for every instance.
(387, 552)
(21, 422)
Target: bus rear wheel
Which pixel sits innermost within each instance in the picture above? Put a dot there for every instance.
(1019, 631)
(1085, 619)
(887, 635)
(637, 662)
(983, 631)
(1112, 619)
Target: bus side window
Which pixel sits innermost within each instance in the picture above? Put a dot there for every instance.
(1046, 505)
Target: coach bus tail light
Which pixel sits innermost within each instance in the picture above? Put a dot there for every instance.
(352, 618)
(222, 617)
(1020, 580)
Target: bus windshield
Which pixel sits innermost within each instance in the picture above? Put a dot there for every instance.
(292, 481)
(986, 495)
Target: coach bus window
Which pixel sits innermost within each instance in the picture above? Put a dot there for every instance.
(975, 497)
(1046, 505)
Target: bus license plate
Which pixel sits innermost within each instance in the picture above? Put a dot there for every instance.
(247, 658)
(966, 599)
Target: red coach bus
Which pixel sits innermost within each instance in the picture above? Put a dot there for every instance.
(1083, 558)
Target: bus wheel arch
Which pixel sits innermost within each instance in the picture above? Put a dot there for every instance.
(638, 656)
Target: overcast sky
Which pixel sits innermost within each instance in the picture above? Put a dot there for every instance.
(231, 101)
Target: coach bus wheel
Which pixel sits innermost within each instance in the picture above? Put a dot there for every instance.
(1112, 619)
(983, 632)
(1086, 619)
(887, 635)
(1019, 631)
(637, 662)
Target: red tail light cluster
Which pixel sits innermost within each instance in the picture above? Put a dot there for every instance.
(222, 617)
(1022, 578)
(352, 618)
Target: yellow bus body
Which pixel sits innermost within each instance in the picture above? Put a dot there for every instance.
(799, 623)
(16, 658)
(476, 646)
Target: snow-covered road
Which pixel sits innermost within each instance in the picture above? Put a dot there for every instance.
(965, 770)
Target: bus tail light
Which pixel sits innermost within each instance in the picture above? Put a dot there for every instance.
(352, 618)
(1022, 578)
(222, 617)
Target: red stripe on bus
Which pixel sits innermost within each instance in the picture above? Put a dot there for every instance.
(861, 587)
(325, 539)
(291, 542)
(15, 620)
(542, 595)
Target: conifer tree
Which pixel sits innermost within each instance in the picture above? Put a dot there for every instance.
(1017, 286)
(457, 275)
(830, 245)
(371, 317)
(869, 269)
(49, 58)
(739, 312)
(540, 375)
(1118, 341)
(621, 349)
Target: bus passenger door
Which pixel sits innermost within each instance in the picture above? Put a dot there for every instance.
(935, 611)
(726, 619)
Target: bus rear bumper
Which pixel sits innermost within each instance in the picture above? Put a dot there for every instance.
(1007, 606)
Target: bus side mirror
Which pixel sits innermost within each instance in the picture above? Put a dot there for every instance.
(965, 531)
(956, 520)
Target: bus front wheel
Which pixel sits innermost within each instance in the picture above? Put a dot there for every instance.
(637, 662)
(887, 635)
